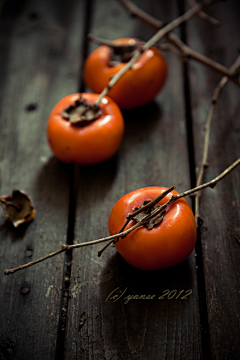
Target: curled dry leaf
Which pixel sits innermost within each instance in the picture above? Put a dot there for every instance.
(18, 207)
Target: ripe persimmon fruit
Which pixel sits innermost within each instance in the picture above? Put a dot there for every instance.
(166, 244)
(80, 143)
(138, 86)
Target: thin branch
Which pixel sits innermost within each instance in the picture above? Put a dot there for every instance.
(203, 15)
(154, 39)
(188, 52)
(161, 209)
(142, 15)
(70, 247)
(21, 267)
(207, 126)
(121, 234)
(185, 50)
(113, 44)
(211, 184)
(172, 48)
(150, 20)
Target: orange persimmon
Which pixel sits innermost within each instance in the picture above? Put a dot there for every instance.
(138, 86)
(166, 244)
(89, 144)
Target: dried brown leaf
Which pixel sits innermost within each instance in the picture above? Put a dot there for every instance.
(18, 207)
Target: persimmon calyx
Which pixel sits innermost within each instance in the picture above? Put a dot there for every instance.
(81, 113)
(151, 216)
(120, 53)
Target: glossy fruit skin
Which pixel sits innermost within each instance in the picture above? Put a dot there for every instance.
(90, 144)
(165, 245)
(138, 86)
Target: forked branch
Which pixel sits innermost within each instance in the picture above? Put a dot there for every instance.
(182, 50)
(190, 53)
(142, 15)
(153, 40)
(185, 50)
(207, 127)
(203, 15)
(121, 234)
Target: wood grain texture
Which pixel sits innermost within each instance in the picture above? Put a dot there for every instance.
(40, 62)
(219, 207)
(153, 152)
(40, 47)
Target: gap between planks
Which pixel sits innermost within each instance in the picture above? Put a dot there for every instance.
(73, 191)
(205, 335)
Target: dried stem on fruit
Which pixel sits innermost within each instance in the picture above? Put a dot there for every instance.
(152, 213)
(120, 53)
(81, 113)
(113, 44)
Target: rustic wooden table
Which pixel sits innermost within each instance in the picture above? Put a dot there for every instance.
(60, 309)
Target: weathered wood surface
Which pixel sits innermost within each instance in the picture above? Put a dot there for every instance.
(42, 50)
(153, 152)
(220, 206)
(40, 61)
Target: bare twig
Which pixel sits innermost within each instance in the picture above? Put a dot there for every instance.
(172, 48)
(188, 52)
(150, 20)
(154, 39)
(70, 247)
(113, 44)
(211, 184)
(153, 212)
(207, 126)
(185, 50)
(142, 15)
(21, 267)
(205, 16)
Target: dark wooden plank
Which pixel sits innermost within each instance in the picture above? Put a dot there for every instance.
(153, 152)
(219, 207)
(40, 61)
